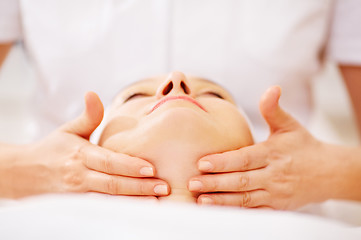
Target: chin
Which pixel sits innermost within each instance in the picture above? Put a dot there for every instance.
(193, 126)
(181, 124)
(174, 139)
(181, 128)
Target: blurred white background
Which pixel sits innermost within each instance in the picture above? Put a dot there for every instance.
(333, 120)
(17, 86)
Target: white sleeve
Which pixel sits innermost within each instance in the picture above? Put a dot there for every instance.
(345, 34)
(10, 27)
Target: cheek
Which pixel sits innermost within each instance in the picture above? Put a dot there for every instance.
(117, 125)
(232, 123)
(135, 109)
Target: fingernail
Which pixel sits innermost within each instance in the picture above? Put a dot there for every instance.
(161, 189)
(206, 200)
(147, 171)
(195, 185)
(205, 166)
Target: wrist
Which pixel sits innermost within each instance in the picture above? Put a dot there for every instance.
(9, 156)
(345, 163)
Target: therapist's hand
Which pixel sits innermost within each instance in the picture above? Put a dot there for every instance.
(66, 161)
(287, 171)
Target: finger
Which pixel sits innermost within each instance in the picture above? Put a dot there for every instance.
(275, 116)
(149, 198)
(228, 182)
(256, 198)
(107, 161)
(246, 158)
(264, 208)
(89, 120)
(118, 185)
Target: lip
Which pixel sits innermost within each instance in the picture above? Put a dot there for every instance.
(170, 98)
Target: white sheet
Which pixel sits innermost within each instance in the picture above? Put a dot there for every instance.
(99, 217)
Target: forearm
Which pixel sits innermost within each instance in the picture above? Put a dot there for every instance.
(4, 50)
(9, 155)
(352, 79)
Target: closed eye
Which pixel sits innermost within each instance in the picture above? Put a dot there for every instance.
(213, 94)
(136, 95)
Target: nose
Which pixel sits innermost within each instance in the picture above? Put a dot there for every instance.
(175, 84)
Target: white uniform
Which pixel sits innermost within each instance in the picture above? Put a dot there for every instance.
(245, 45)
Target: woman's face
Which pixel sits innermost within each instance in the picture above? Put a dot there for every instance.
(172, 121)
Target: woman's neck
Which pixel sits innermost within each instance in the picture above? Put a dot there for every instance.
(176, 163)
(173, 142)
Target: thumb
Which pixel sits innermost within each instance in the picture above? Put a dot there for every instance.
(276, 118)
(89, 120)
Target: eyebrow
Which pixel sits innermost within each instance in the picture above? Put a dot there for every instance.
(152, 79)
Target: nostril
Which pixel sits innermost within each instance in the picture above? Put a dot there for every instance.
(168, 88)
(185, 88)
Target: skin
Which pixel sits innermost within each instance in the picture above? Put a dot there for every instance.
(178, 132)
(302, 169)
(66, 161)
(4, 50)
(288, 170)
(352, 76)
